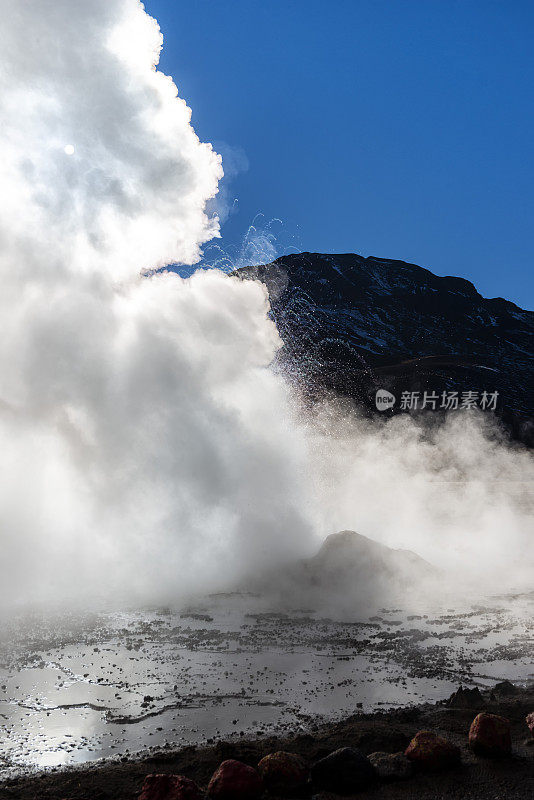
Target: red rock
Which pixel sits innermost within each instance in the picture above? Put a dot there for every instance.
(169, 787)
(530, 722)
(234, 780)
(490, 735)
(431, 752)
(283, 773)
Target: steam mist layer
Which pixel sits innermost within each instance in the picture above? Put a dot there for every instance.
(147, 450)
(456, 492)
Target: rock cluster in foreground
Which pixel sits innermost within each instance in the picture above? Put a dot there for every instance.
(345, 771)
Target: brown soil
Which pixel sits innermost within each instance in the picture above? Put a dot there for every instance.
(390, 731)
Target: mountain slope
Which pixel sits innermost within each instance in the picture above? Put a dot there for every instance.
(351, 571)
(352, 325)
(348, 554)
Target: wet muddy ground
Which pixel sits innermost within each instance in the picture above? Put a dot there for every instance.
(476, 778)
(79, 688)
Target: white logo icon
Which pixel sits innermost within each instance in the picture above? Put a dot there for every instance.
(384, 400)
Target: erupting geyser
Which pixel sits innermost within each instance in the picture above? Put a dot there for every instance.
(142, 437)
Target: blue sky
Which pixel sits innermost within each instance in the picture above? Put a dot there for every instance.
(396, 128)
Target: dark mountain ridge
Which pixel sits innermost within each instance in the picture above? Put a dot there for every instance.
(352, 325)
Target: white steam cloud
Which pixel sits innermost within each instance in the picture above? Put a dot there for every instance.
(146, 449)
(144, 444)
(79, 79)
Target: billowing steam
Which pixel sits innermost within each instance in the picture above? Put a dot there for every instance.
(144, 443)
(146, 449)
(455, 492)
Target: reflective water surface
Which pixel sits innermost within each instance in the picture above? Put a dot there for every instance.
(78, 688)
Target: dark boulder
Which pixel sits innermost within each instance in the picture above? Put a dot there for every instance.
(344, 771)
(465, 698)
(391, 766)
(505, 689)
(283, 773)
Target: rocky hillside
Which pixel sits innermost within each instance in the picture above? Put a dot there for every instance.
(348, 556)
(351, 571)
(354, 325)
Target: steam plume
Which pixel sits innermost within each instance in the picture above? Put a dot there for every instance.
(131, 407)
